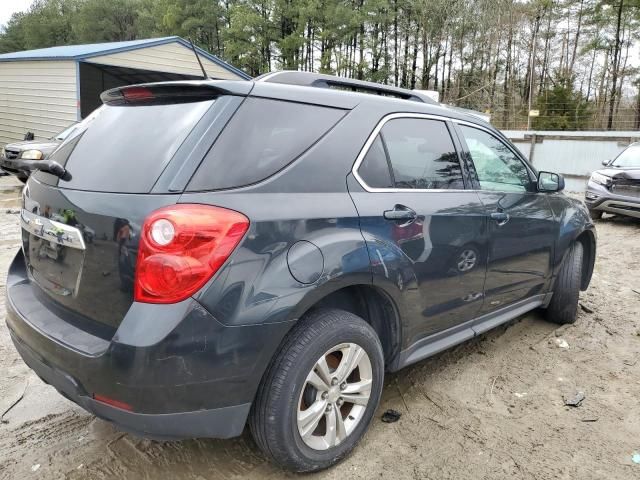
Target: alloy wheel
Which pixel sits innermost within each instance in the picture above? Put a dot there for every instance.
(334, 396)
(467, 260)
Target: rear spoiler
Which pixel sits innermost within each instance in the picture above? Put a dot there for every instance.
(163, 93)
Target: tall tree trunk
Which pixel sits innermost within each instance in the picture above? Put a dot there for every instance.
(414, 64)
(637, 122)
(616, 66)
(593, 62)
(405, 59)
(395, 42)
(576, 39)
(361, 45)
(507, 75)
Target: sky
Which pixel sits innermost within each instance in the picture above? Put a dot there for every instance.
(9, 7)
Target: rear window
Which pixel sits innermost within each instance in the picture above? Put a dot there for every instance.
(126, 148)
(263, 137)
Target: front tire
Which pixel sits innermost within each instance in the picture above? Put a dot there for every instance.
(563, 307)
(320, 391)
(596, 214)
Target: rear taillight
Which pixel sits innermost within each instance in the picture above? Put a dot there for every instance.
(182, 247)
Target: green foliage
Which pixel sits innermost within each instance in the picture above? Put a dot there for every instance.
(476, 54)
(105, 21)
(562, 108)
(48, 22)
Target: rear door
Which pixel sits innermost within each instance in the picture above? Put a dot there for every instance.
(522, 225)
(426, 234)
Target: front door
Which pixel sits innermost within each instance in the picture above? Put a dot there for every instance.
(426, 235)
(521, 222)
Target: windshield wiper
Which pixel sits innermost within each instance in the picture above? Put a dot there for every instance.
(49, 166)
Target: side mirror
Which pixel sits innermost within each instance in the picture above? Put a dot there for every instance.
(550, 182)
(606, 162)
(29, 136)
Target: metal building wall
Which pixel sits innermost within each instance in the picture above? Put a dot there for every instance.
(171, 57)
(36, 96)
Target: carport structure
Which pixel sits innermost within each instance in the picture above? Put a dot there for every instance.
(44, 91)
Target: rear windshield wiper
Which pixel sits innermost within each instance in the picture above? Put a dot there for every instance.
(49, 166)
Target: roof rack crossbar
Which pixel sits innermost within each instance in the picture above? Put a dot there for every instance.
(309, 79)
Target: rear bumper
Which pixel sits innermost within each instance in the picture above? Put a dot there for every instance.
(223, 422)
(179, 372)
(599, 198)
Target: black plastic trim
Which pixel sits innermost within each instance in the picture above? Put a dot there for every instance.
(438, 342)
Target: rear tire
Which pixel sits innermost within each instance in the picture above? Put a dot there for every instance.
(563, 307)
(596, 214)
(296, 412)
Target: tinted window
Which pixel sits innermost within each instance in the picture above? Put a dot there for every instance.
(628, 158)
(497, 167)
(125, 148)
(263, 137)
(374, 169)
(422, 154)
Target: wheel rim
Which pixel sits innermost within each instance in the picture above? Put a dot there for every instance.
(334, 396)
(467, 260)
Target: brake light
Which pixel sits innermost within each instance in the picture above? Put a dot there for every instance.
(137, 94)
(182, 247)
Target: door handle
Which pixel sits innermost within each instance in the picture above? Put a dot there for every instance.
(500, 218)
(400, 213)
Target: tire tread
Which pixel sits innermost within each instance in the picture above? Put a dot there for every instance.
(564, 304)
(265, 407)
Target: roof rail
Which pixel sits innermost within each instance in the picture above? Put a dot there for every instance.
(309, 79)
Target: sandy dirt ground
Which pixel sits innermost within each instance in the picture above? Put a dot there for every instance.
(491, 408)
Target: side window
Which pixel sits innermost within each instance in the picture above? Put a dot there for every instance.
(263, 137)
(422, 154)
(375, 168)
(497, 167)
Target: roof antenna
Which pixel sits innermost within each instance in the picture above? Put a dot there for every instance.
(195, 52)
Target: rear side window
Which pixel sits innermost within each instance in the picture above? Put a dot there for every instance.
(375, 167)
(126, 148)
(263, 137)
(421, 155)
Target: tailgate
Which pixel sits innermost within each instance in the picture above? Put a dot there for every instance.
(81, 230)
(80, 247)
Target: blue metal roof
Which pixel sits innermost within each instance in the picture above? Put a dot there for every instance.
(81, 52)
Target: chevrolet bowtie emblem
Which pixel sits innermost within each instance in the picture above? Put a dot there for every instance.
(52, 231)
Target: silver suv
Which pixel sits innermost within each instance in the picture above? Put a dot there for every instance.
(616, 188)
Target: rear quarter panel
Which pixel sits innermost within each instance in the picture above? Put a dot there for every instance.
(256, 285)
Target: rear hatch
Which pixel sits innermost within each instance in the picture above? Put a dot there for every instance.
(132, 156)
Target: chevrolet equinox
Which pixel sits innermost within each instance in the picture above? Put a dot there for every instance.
(203, 255)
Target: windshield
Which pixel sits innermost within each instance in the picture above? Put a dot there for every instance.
(628, 158)
(64, 133)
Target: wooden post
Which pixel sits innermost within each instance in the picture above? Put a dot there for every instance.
(532, 148)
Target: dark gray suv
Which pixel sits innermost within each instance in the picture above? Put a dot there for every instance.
(262, 252)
